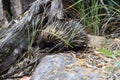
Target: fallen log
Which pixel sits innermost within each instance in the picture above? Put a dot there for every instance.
(14, 38)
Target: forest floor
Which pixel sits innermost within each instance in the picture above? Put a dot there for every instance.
(92, 60)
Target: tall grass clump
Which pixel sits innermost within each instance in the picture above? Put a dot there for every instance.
(95, 14)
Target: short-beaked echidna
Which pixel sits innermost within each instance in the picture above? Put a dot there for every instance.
(63, 35)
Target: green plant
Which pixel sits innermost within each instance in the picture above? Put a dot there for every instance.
(89, 14)
(111, 55)
(108, 53)
(94, 12)
(31, 36)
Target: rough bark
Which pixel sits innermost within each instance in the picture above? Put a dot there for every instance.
(1, 11)
(16, 7)
(19, 6)
(3, 21)
(14, 38)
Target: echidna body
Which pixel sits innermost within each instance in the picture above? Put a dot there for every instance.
(66, 35)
